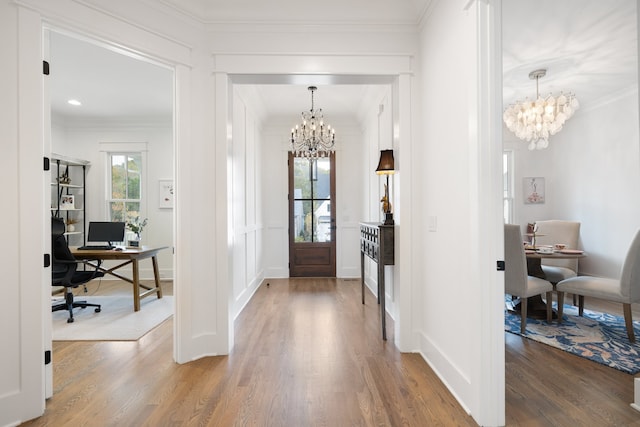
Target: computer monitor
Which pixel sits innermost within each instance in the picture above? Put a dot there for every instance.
(104, 231)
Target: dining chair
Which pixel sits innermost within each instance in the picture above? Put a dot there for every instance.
(625, 290)
(517, 282)
(555, 231)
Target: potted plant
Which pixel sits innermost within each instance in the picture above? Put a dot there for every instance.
(136, 226)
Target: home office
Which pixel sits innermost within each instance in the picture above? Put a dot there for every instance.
(111, 171)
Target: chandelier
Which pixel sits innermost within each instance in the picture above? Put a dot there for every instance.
(312, 138)
(535, 121)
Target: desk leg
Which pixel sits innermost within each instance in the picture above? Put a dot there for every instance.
(381, 299)
(156, 276)
(362, 273)
(136, 286)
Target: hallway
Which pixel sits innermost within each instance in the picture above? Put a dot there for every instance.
(308, 353)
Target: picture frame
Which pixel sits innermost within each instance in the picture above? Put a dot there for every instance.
(67, 202)
(534, 191)
(166, 193)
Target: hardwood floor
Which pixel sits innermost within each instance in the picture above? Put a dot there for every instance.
(308, 353)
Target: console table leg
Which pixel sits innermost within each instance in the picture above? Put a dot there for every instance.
(362, 273)
(381, 300)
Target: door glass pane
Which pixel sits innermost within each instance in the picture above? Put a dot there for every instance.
(312, 199)
(302, 217)
(321, 178)
(301, 178)
(322, 221)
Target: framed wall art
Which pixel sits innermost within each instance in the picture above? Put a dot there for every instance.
(67, 202)
(165, 194)
(533, 190)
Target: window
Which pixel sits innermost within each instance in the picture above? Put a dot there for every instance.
(507, 186)
(312, 199)
(125, 186)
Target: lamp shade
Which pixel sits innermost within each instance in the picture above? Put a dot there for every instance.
(386, 163)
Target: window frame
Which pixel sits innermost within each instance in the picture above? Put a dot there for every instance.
(508, 186)
(110, 149)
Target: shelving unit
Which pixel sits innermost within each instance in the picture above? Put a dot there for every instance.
(68, 178)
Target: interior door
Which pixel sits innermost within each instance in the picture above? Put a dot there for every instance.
(312, 217)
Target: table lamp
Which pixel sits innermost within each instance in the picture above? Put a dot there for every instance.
(386, 167)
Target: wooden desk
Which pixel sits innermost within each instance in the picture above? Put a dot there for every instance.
(377, 242)
(126, 256)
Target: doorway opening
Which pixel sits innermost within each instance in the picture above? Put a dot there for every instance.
(124, 103)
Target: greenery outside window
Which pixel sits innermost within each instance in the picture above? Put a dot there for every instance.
(124, 196)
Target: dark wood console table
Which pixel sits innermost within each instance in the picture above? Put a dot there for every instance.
(376, 242)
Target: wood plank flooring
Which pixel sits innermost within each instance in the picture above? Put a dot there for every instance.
(308, 353)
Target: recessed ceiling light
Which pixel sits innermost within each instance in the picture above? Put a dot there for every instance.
(74, 102)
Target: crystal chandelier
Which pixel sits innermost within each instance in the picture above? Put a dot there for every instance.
(535, 121)
(312, 138)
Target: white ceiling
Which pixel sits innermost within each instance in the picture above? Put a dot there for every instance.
(588, 46)
(110, 84)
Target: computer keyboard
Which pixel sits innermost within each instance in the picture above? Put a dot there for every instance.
(95, 248)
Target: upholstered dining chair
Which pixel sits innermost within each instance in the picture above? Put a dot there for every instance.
(559, 231)
(517, 282)
(625, 290)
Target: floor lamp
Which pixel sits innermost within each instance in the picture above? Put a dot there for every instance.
(386, 167)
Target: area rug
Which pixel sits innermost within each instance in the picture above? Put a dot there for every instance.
(599, 337)
(116, 322)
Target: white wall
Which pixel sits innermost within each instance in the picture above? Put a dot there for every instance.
(378, 135)
(592, 174)
(457, 237)
(246, 203)
(86, 142)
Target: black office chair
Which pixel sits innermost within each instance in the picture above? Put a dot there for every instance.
(64, 270)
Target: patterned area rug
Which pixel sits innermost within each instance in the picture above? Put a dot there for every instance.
(599, 337)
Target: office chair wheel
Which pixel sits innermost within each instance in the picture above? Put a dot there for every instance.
(70, 320)
(98, 310)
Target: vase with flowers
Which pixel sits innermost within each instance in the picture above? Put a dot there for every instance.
(70, 223)
(136, 226)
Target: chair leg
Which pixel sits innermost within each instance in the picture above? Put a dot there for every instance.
(69, 298)
(549, 306)
(70, 303)
(628, 320)
(580, 305)
(523, 315)
(560, 306)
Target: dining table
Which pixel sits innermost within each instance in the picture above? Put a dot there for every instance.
(536, 306)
